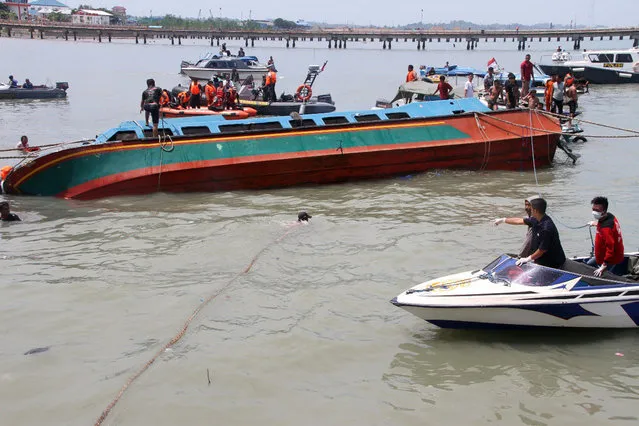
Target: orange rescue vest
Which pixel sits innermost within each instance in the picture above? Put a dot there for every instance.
(411, 76)
(195, 88)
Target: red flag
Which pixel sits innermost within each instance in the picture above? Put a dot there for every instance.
(323, 66)
(492, 62)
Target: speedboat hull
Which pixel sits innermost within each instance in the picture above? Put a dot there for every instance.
(593, 75)
(504, 295)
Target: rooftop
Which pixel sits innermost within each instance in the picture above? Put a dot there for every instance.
(47, 3)
(93, 12)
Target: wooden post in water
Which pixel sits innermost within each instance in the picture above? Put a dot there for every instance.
(31, 32)
(75, 36)
(41, 35)
(144, 38)
(66, 35)
(99, 36)
(137, 38)
(109, 37)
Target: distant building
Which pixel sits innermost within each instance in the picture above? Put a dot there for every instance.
(42, 8)
(19, 7)
(119, 11)
(263, 23)
(302, 24)
(91, 17)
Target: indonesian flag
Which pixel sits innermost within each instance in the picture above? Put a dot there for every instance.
(323, 66)
(492, 62)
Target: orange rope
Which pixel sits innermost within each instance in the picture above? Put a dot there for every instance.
(183, 330)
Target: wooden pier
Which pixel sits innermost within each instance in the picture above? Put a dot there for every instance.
(335, 38)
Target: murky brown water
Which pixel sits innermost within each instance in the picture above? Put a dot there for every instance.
(308, 336)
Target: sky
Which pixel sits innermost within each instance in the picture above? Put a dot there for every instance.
(377, 12)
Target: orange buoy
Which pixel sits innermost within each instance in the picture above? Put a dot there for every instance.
(4, 172)
(252, 112)
(234, 114)
(304, 92)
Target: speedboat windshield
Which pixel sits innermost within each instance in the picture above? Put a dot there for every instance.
(504, 270)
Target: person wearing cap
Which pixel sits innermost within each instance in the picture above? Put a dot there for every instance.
(512, 92)
(5, 213)
(526, 249)
(13, 82)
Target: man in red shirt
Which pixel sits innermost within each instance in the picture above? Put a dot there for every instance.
(443, 88)
(526, 75)
(609, 250)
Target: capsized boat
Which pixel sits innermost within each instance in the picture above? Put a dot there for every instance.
(206, 154)
(504, 295)
(37, 92)
(207, 69)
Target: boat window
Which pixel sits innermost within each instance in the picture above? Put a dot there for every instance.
(601, 57)
(271, 125)
(124, 135)
(505, 271)
(230, 128)
(335, 120)
(396, 115)
(624, 57)
(148, 133)
(307, 122)
(196, 130)
(367, 117)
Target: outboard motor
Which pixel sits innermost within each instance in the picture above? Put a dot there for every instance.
(63, 85)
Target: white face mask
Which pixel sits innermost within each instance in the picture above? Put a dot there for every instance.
(597, 215)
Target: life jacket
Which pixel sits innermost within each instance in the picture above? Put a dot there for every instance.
(271, 78)
(209, 91)
(219, 93)
(165, 99)
(410, 76)
(194, 88)
(183, 98)
(231, 96)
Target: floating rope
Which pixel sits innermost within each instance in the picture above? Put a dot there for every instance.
(185, 327)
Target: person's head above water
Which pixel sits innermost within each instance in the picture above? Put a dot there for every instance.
(303, 217)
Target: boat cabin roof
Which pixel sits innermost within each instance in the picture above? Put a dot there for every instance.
(216, 124)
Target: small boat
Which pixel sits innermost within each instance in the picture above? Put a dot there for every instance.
(302, 101)
(37, 92)
(504, 295)
(416, 91)
(229, 114)
(453, 71)
(206, 154)
(599, 66)
(207, 69)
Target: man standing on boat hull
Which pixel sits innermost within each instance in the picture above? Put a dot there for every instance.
(527, 75)
(151, 104)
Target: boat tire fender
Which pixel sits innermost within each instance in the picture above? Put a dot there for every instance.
(304, 92)
(580, 139)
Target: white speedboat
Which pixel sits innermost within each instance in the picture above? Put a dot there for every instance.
(207, 68)
(599, 66)
(504, 295)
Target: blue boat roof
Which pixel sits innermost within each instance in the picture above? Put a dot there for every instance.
(216, 124)
(48, 3)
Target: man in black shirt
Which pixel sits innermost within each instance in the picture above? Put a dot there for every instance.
(545, 239)
(151, 104)
(512, 91)
(5, 213)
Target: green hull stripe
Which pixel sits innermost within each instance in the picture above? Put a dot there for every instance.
(79, 170)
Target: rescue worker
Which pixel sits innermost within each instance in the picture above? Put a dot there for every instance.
(412, 74)
(209, 92)
(271, 79)
(195, 90)
(231, 96)
(548, 92)
(165, 99)
(183, 99)
(219, 96)
(609, 249)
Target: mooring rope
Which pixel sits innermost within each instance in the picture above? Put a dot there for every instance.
(186, 325)
(560, 132)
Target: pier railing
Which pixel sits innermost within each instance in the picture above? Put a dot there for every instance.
(334, 36)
